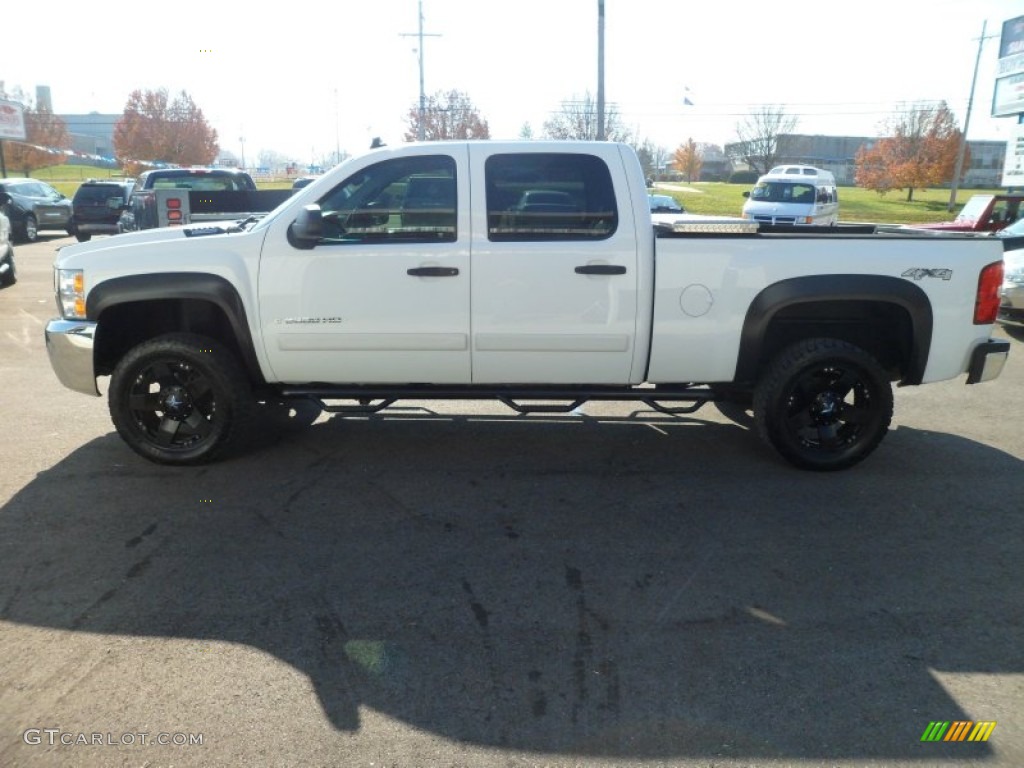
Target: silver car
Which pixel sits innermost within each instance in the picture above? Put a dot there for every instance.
(1011, 308)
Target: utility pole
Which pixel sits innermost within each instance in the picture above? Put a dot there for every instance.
(967, 121)
(423, 96)
(600, 70)
(337, 130)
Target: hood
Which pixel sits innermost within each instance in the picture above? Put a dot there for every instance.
(71, 253)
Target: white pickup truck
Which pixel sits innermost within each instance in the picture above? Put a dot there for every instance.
(527, 272)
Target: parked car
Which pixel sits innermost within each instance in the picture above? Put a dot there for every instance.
(664, 204)
(791, 195)
(668, 215)
(35, 206)
(1011, 307)
(97, 207)
(7, 272)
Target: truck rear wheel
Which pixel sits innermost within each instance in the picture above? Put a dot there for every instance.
(179, 398)
(824, 404)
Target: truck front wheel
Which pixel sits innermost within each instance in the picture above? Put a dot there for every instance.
(179, 398)
(824, 404)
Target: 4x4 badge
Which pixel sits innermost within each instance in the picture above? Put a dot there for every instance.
(919, 273)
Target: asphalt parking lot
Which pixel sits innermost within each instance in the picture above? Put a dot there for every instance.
(454, 585)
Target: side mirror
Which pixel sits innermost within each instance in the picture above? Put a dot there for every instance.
(746, 194)
(308, 229)
(4, 199)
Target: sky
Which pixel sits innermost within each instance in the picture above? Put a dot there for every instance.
(317, 77)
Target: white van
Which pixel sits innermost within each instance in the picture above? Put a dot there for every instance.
(794, 194)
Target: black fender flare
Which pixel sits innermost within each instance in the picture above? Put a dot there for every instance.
(822, 288)
(162, 286)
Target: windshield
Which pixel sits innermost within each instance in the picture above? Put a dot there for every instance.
(974, 208)
(664, 204)
(199, 183)
(98, 195)
(782, 192)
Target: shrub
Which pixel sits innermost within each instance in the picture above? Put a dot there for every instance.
(743, 177)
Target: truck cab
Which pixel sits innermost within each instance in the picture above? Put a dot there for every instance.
(983, 213)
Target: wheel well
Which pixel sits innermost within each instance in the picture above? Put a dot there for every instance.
(883, 329)
(123, 326)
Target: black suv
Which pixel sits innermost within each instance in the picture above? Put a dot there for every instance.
(97, 207)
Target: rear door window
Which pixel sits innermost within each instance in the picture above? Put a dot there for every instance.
(549, 196)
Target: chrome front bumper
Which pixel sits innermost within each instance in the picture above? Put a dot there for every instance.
(69, 345)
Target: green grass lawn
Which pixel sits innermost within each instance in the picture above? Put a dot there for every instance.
(711, 198)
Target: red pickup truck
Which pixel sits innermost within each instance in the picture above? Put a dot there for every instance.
(983, 213)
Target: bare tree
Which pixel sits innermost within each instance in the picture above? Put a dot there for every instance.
(651, 156)
(577, 119)
(447, 115)
(758, 135)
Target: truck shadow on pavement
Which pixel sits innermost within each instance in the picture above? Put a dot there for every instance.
(600, 589)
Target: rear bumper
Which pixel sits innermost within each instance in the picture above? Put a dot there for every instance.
(987, 361)
(1011, 316)
(96, 227)
(69, 344)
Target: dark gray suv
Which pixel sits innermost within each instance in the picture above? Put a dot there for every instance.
(34, 206)
(97, 208)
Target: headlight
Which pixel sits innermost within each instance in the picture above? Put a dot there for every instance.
(71, 293)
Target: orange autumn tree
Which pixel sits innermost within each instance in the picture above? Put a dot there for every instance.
(155, 128)
(688, 160)
(45, 136)
(919, 152)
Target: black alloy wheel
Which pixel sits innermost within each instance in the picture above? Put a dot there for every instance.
(179, 398)
(824, 404)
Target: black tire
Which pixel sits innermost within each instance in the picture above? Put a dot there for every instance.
(82, 237)
(30, 229)
(824, 404)
(10, 276)
(179, 398)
